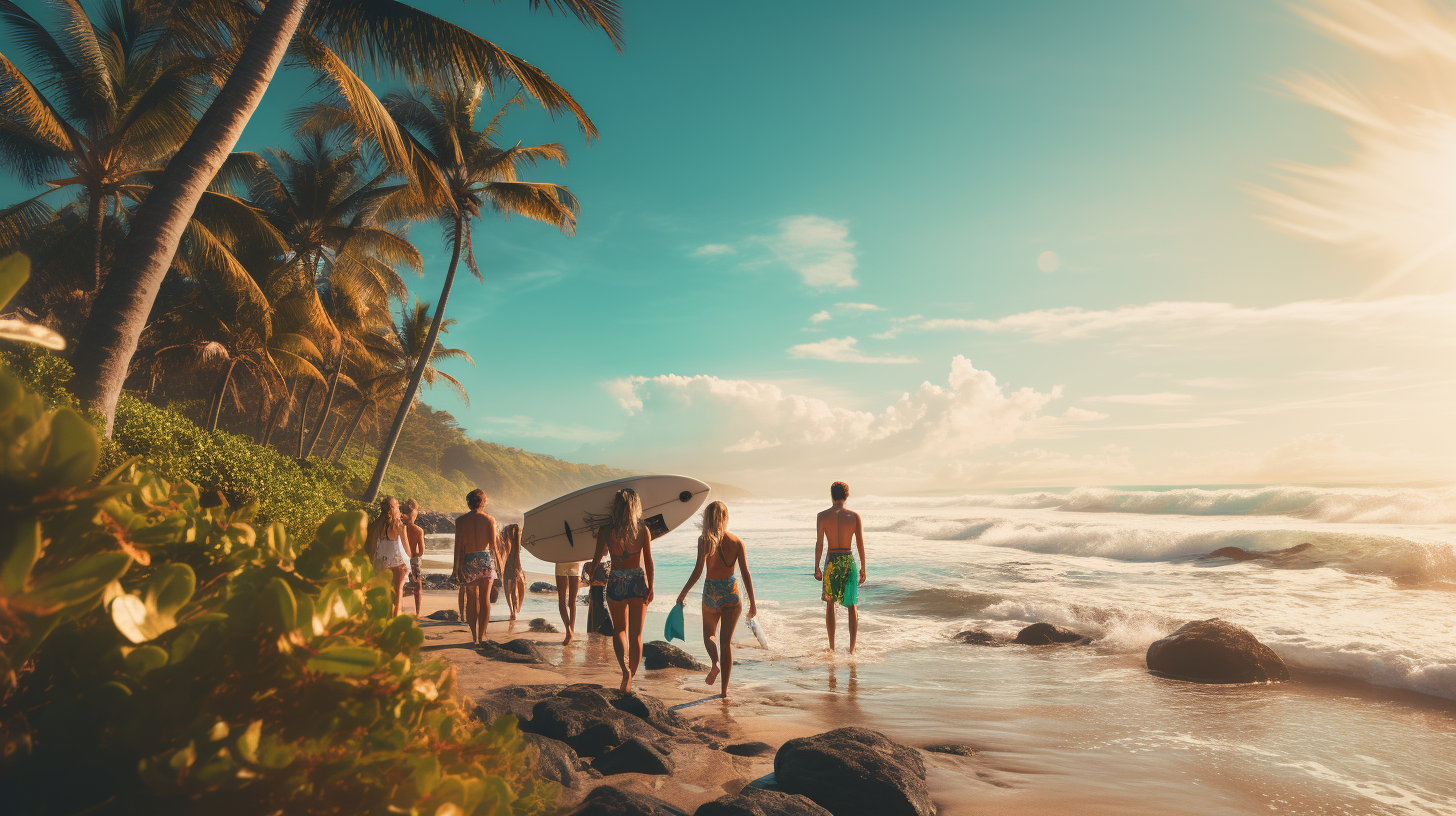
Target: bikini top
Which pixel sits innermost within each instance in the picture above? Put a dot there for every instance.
(624, 554)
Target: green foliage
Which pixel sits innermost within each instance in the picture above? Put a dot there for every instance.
(163, 657)
(246, 473)
(43, 373)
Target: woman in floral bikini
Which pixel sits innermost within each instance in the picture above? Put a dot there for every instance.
(720, 552)
(629, 587)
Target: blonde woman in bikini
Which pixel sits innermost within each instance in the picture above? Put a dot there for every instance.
(720, 552)
(629, 587)
(477, 562)
(388, 533)
(513, 579)
(839, 528)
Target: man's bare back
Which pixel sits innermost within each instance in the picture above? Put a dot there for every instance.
(474, 532)
(839, 529)
(838, 526)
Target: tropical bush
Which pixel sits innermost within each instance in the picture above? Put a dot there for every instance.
(160, 655)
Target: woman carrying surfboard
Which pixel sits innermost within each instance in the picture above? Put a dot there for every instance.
(629, 587)
(720, 552)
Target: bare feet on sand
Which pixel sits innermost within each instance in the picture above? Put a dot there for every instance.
(626, 680)
(712, 675)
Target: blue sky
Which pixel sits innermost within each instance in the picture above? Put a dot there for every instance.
(763, 164)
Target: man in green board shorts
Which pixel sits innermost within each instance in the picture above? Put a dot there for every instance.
(840, 528)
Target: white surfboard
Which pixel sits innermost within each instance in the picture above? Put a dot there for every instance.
(564, 529)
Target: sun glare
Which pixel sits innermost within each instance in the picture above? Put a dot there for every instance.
(1395, 197)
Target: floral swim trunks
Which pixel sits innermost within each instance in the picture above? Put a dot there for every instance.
(627, 585)
(841, 579)
(720, 592)
(477, 566)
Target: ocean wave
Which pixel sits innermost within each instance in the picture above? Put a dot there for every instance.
(1407, 561)
(1433, 505)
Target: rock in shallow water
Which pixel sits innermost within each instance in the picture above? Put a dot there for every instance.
(952, 748)
(851, 771)
(758, 802)
(1215, 651)
(663, 655)
(541, 625)
(977, 637)
(1045, 634)
(608, 800)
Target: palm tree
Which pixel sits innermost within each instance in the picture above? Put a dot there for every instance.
(329, 35)
(340, 265)
(462, 170)
(114, 108)
(401, 348)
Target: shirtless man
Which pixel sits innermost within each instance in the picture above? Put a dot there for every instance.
(840, 527)
(415, 545)
(477, 562)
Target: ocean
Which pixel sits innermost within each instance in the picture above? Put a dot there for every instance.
(1365, 617)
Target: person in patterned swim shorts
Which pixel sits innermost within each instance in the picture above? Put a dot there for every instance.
(839, 528)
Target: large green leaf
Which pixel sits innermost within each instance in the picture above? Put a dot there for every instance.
(24, 549)
(74, 450)
(278, 606)
(138, 621)
(350, 660)
(171, 588)
(76, 584)
(14, 272)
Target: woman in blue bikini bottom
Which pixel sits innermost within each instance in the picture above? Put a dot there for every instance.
(720, 553)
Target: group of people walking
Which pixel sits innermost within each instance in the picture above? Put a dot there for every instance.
(621, 575)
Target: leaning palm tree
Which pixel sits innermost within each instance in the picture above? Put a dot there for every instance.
(113, 108)
(462, 170)
(330, 36)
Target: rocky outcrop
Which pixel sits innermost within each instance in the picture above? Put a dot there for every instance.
(660, 654)
(952, 748)
(633, 756)
(541, 625)
(753, 801)
(750, 749)
(1045, 634)
(517, 651)
(609, 800)
(543, 586)
(851, 771)
(557, 762)
(585, 718)
(977, 637)
(434, 580)
(434, 521)
(1215, 651)
(445, 615)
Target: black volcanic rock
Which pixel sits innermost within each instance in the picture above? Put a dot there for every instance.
(753, 801)
(850, 771)
(1045, 634)
(660, 654)
(1215, 651)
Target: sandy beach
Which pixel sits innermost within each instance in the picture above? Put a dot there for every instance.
(703, 773)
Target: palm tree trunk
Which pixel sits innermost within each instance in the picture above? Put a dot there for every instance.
(98, 223)
(217, 398)
(303, 417)
(278, 409)
(328, 406)
(386, 448)
(120, 310)
(342, 445)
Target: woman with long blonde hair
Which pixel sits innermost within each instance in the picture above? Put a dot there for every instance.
(387, 534)
(720, 553)
(512, 577)
(629, 587)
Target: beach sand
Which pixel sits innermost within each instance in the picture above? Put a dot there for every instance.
(702, 773)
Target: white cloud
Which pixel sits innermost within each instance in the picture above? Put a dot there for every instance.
(1164, 398)
(708, 250)
(1205, 422)
(860, 307)
(819, 317)
(753, 427)
(1048, 261)
(818, 248)
(1424, 318)
(842, 350)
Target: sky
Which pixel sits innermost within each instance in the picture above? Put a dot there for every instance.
(964, 245)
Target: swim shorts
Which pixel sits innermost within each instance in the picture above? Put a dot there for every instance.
(568, 568)
(841, 579)
(477, 566)
(627, 585)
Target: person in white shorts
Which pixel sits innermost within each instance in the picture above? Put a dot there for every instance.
(568, 576)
